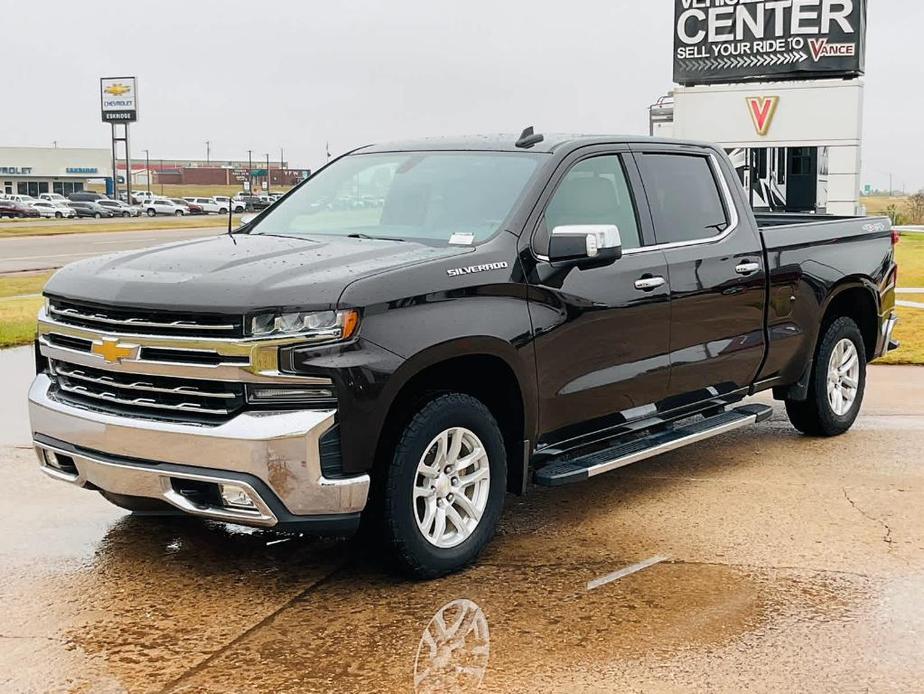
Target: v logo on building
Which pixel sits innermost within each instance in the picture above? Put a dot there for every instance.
(762, 110)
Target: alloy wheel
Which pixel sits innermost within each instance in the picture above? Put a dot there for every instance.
(451, 487)
(843, 377)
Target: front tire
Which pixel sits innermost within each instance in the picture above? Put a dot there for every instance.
(837, 385)
(98, 216)
(58, 215)
(179, 213)
(444, 491)
(151, 213)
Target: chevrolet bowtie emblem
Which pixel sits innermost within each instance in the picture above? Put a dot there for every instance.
(113, 351)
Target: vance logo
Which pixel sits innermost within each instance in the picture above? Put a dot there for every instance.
(822, 49)
(762, 110)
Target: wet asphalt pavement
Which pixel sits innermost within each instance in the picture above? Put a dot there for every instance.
(776, 563)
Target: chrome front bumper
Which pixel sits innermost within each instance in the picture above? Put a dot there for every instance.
(274, 455)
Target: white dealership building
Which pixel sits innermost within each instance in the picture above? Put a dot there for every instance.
(779, 85)
(36, 170)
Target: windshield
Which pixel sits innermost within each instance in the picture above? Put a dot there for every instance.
(431, 197)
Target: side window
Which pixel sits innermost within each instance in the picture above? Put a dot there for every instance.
(684, 197)
(594, 191)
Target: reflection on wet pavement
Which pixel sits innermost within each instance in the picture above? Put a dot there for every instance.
(762, 561)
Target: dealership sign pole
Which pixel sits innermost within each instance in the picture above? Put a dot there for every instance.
(119, 105)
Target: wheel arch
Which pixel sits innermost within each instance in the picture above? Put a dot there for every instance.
(486, 368)
(856, 298)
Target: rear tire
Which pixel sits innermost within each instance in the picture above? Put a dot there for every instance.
(98, 215)
(837, 383)
(179, 213)
(151, 213)
(58, 215)
(223, 210)
(444, 435)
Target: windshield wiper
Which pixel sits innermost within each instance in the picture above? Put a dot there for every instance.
(358, 235)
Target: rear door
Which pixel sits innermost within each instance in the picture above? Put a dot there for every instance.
(715, 265)
(601, 332)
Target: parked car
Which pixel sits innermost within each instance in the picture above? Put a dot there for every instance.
(142, 196)
(86, 196)
(46, 208)
(223, 202)
(24, 199)
(14, 208)
(251, 202)
(542, 310)
(208, 205)
(193, 207)
(121, 209)
(53, 197)
(165, 206)
(86, 208)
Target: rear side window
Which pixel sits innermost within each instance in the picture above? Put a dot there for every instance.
(594, 191)
(684, 197)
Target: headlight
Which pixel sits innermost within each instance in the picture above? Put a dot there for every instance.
(314, 326)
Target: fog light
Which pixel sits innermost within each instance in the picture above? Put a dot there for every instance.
(234, 496)
(51, 458)
(289, 395)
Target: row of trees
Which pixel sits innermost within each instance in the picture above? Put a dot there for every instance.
(912, 212)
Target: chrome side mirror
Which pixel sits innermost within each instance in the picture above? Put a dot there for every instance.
(585, 242)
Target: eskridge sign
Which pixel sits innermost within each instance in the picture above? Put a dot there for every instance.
(119, 99)
(741, 40)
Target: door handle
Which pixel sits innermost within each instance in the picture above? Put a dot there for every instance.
(647, 284)
(748, 268)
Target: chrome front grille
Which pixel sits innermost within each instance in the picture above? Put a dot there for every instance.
(157, 397)
(142, 322)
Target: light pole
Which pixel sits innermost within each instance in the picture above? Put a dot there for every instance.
(208, 152)
(267, 174)
(147, 169)
(161, 177)
(249, 171)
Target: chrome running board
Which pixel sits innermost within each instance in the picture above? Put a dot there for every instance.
(580, 468)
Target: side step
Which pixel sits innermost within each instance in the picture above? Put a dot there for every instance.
(581, 468)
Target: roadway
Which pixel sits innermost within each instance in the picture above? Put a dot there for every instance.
(26, 253)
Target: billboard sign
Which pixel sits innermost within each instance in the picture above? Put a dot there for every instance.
(726, 41)
(119, 99)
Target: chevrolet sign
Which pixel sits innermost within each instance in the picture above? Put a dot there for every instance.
(119, 99)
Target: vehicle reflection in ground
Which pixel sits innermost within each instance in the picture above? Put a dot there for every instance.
(454, 650)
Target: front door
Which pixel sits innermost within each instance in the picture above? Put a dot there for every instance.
(603, 332)
(716, 268)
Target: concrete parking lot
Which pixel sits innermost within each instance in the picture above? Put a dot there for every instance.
(758, 561)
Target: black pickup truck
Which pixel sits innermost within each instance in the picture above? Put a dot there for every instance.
(491, 312)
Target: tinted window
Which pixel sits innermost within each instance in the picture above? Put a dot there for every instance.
(684, 197)
(594, 191)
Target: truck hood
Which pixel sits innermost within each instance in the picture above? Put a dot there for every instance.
(237, 274)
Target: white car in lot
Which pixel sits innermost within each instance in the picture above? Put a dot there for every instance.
(53, 197)
(209, 205)
(47, 208)
(164, 206)
(120, 208)
(142, 197)
(237, 205)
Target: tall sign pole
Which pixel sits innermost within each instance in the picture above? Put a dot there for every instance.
(119, 106)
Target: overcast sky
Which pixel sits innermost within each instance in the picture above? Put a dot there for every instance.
(296, 74)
